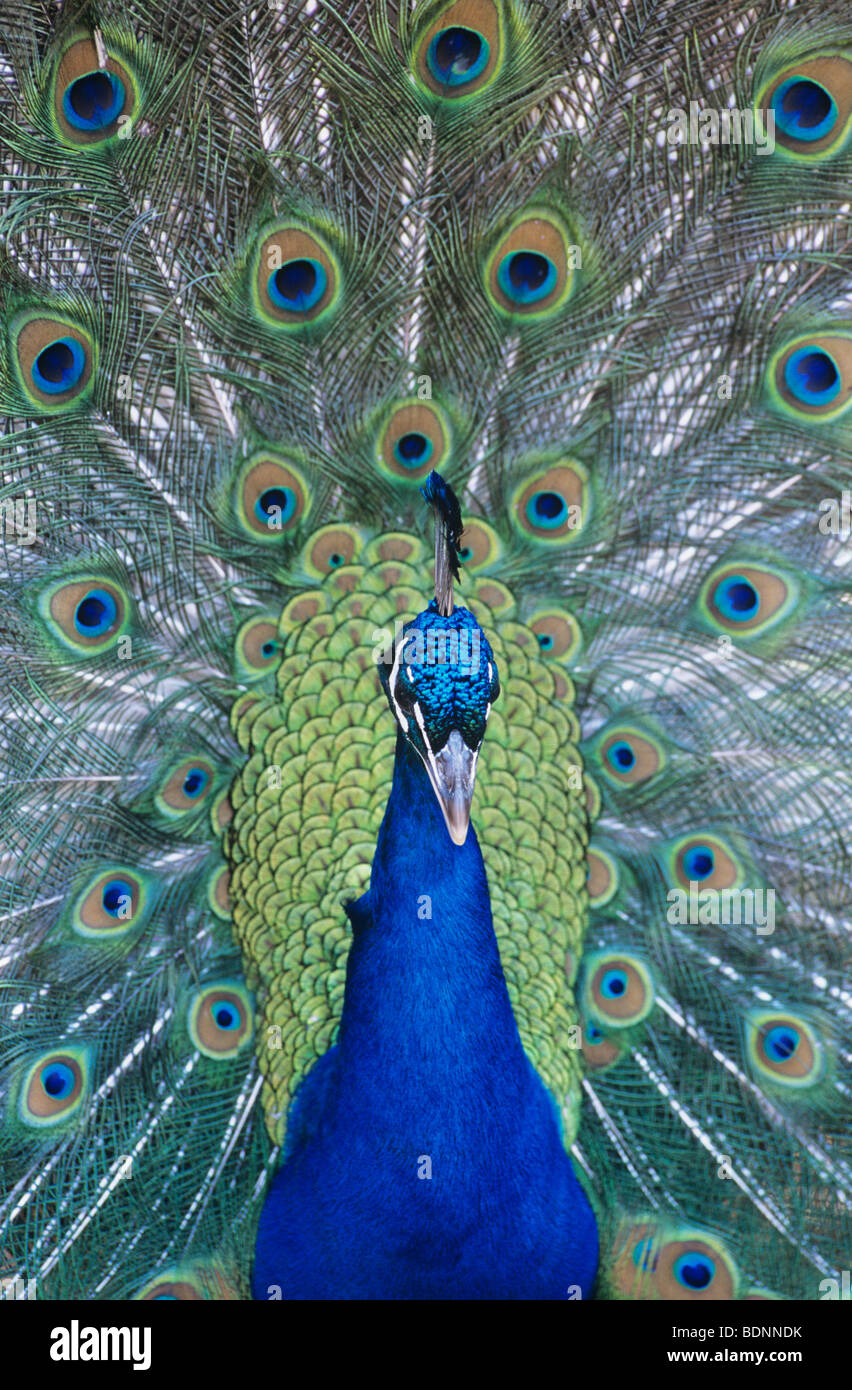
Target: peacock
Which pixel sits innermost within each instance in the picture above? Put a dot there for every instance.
(424, 498)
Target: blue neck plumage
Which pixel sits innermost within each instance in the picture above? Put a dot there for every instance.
(426, 1001)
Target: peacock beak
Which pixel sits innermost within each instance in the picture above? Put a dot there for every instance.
(452, 773)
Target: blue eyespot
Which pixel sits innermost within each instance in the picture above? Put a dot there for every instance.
(114, 894)
(526, 276)
(195, 782)
(95, 614)
(93, 101)
(413, 450)
(812, 376)
(643, 1255)
(457, 55)
(226, 1016)
(298, 285)
(804, 109)
(621, 756)
(269, 649)
(737, 598)
(58, 1080)
(613, 984)
(694, 1270)
(276, 506)
(699, 862)
(547, 510)
(545, 641)
(336, 560)
(59, 366)
(593, 1034)
(465, 553)
(781, 1042)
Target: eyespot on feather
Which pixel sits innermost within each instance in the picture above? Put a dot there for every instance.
(460, 51)
(599, 1051)
(54, 1087)
(92, 100)
(602, 880)
(558, 633)
(551, 506)
(694, 1270)
(219, 893)
(414, 440)
(258, 649)
(530, 272)
(330, 549)
(271, 497)
(187, 787)
(480, 545)
(296, 277)
(652, 1261)
(619, 989)
(706, 860)
(88, 615)
(812, 104)
(747, 600)
(111, 905)
(54, 360)
(811, 377)
(785, 1049)
(628, 756)
(221, 1020)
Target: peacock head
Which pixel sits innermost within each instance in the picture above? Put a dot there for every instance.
(441, 681)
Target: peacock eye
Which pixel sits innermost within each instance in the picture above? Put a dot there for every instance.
(526, 276)
(298, 285)
(59, 366)
(296, 278)
(276, 506)
(226, 1016)
(699, 862)
(457, 55)
(54, 1087)
(110, 904)
(95, 614)
(547, 509)
(413, 450)
(545, 641)
(93, 100)
(621, 756)
(117, 896)
(58, 1080)
(613, 984)
(694, 1270)
(195, 782)
(736, 599)
(780, 1043)
(804, 109)
(812, 376)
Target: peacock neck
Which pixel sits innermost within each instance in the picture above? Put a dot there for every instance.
(426, 1004)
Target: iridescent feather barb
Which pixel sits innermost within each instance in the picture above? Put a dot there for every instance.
(264, 270)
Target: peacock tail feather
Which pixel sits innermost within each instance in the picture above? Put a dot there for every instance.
(263, 268)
